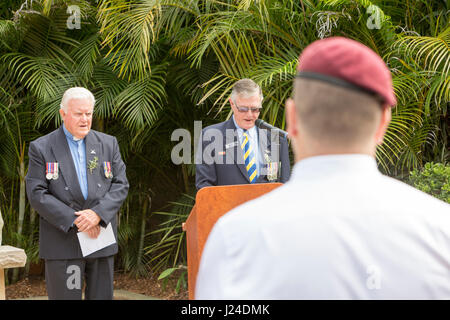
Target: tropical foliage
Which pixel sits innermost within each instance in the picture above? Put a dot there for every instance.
(158, 65)
(433, 178)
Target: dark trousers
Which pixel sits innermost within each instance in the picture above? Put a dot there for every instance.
(65, 278)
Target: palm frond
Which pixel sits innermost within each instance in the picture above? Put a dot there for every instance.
(137, 105)
(36, 73)
(431, 53)
(86, 56)
(107, 88)
(129, 31)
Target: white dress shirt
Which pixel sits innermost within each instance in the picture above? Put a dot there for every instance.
(253, 137)
(338, 229)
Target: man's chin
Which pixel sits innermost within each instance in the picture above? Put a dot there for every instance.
(248, 125)
(82, 134)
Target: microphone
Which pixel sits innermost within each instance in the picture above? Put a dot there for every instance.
(264, 125)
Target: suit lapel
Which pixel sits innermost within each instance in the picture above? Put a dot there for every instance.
(63, 156)
(93, 154)
(264, 144)
(264, 149)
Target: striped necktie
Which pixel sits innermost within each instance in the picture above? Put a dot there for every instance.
(249, 158)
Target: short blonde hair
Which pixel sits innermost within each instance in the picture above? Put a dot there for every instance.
(335, 116)
(76, 93)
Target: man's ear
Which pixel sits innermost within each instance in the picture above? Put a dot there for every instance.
(291, 118)
(231, 104)
(62, 114)
(386, 116)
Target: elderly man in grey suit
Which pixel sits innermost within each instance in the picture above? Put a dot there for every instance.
(76, 181)
(236, 151)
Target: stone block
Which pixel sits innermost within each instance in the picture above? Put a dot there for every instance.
(1, 227)
(11, 257)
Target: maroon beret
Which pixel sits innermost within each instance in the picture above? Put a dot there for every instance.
(347, 63)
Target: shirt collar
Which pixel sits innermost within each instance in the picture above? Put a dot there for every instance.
(251, 131)
(326, 165)
(70, 136)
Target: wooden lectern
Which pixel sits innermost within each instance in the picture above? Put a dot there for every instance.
(210, 204)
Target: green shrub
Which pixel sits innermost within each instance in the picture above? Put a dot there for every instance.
(433, 179)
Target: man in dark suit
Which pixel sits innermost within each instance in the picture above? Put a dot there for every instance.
(236, 151)
(76, 181)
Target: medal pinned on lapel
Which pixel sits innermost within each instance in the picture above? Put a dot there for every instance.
(51, 170)
(272, 171)
(272, 168)
(107, 169)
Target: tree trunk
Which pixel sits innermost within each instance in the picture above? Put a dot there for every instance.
(1, 226)
(145, 207)
(185, 178)
(32, 219)
(21, 209)
(99, 125)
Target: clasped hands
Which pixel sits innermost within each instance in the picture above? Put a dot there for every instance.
(88, 221)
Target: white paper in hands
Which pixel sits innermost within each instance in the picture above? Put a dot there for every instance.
(89, 245)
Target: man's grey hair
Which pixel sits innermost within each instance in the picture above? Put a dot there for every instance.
(76, 93)
(246, 88)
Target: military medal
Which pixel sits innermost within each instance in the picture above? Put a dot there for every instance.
(107, 169)
(272, 168)
(51, 171)
(272, 171)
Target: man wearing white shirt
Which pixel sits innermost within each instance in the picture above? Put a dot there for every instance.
(338, 229)
(236, 151)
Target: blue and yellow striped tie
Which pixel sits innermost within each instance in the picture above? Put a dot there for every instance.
(249, 158)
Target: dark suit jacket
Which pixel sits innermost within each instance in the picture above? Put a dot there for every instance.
(223, 172)
(57, 200)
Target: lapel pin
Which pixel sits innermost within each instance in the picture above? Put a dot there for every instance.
(93, 164)
(231, 145)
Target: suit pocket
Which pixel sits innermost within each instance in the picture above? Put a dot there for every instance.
(58, 188)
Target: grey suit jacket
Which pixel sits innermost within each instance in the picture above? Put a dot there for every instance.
(217, 171)
(57, 200)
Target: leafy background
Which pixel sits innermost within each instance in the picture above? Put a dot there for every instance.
(156, 66)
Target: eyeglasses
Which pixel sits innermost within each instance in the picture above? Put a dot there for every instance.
(246, 109)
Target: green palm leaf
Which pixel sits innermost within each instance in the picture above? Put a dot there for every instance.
(38, 74)
(432, 53)
(86, 56)
(129, 31)
(138, 104)
(107, 88)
